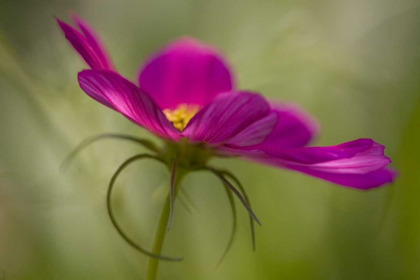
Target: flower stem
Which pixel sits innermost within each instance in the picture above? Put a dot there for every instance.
(162, 228)
(152, 266)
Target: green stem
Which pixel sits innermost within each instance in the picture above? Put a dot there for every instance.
(153, 264)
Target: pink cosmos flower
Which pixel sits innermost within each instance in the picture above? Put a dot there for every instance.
(185, 93)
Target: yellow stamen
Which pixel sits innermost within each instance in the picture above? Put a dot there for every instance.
(180, 116)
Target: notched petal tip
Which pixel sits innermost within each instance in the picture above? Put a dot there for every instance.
(66, 28)
(77, 20)
(86, 43)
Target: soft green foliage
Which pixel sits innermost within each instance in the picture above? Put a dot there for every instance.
(355, 65)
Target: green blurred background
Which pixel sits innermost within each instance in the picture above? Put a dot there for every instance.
(355, 65)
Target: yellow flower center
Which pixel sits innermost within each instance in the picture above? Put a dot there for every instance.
(180, 116)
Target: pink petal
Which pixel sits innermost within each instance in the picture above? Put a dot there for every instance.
(123, 96)
(294, 129)
(255, 133)
(87, 44)
(358, 164)
(227, 116)
(364, 181)
(321, 155)
(185, 72)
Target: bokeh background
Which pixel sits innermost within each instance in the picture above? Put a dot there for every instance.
(355, 65)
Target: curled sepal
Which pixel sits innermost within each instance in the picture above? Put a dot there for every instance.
(236, 192)
(234, 224)
(113, 218)
(143, 142)
(239, 184)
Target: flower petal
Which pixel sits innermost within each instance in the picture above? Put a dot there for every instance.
(123, 96)
(358, 164)
(228, 115)
(255, 133)
(322, 155)
(87, 44)
(294, 129)
(185, 72)
(359, 181)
